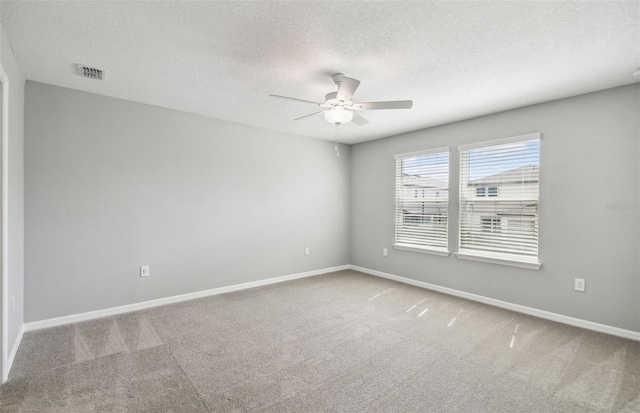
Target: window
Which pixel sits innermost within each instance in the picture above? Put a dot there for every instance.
(484, 191)
(500, 228)
(491, 224)
(422, 201)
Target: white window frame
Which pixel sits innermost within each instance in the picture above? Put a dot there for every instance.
(496, 258)
(416, 247)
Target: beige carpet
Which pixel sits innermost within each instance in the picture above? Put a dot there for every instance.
(337, 342)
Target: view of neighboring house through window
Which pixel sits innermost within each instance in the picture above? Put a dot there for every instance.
(422, 200)
(487, 191)
(499, 199)
(491, 224)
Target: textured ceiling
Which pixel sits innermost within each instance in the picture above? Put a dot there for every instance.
(456, 60)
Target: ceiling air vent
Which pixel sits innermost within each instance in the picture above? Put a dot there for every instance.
(91, 72)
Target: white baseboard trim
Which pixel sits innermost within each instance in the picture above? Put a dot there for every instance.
(576, 322)
(74, 318)
(13, 352)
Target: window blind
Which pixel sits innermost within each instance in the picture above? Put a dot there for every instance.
(422, 200)
(499, 187)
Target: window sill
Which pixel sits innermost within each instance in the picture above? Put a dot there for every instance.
(502, 261)
(423, 250)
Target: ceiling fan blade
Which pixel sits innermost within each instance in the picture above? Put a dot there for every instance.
(394, 104)
(358, 119)
(309, 115)
(296, 99)
(347, 88)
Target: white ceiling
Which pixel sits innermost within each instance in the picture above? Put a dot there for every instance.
(456, 60)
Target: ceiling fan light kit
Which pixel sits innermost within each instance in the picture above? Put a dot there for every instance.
(339, 109)
(338, 115)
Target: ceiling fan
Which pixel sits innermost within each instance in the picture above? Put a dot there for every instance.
(340, 109)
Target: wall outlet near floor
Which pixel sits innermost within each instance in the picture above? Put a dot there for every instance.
(384, 252)
(306, 250)
(579, 284)
(144, 271)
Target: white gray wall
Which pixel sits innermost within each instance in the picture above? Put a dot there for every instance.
(589, 158)
(16, 188)
(111, 185)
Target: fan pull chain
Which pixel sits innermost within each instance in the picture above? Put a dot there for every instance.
(337, 137)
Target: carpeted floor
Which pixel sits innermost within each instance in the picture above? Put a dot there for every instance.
(344, 341)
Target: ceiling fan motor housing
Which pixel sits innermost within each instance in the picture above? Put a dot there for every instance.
(331, 99)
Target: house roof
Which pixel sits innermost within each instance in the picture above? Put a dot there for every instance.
(423, 182)
(527, 173)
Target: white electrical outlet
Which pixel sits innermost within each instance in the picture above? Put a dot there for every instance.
(306, 250)
(579, 284)
(144, 271)
(384, 252)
